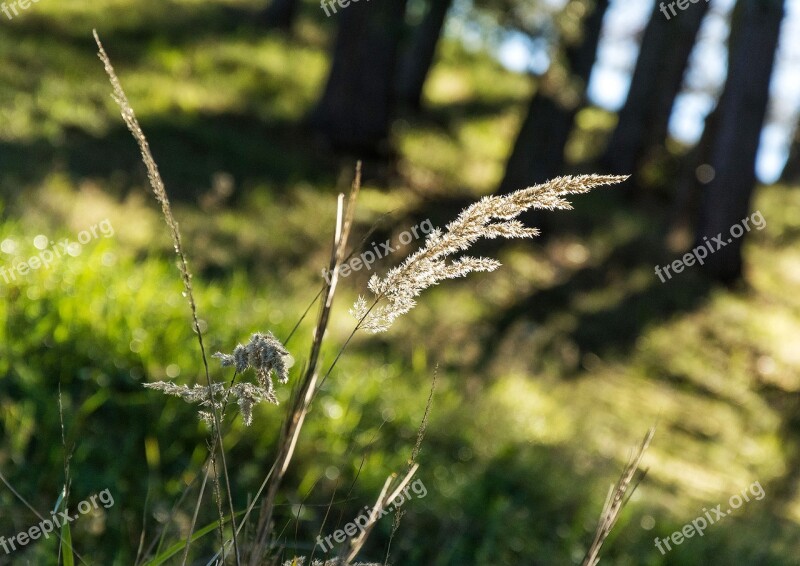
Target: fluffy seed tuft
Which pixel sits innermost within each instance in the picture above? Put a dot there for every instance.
(264, 353)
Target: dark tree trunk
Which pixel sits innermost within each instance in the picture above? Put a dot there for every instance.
(791, 171)
(356, 107)
(657, 79)
(280, 14)
(742, 108)
(418, 59)
(538, 152)
(692, 178)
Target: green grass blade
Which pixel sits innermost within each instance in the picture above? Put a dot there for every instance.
(178, 546)
(66, 546)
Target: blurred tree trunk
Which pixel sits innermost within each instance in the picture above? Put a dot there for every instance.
(356, 106)
(693, 175)
(419, 57)
(657, 79)
(280, 14)
(742, 108)
(791, 171)
(538, 152)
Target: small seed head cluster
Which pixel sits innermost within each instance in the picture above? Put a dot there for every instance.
(264, 353)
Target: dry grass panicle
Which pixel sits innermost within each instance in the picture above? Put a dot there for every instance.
(491, 217)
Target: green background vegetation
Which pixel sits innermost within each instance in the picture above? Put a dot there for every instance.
(550, 369)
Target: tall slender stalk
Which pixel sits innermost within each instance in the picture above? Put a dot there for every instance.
(160, 193)
(307, 388)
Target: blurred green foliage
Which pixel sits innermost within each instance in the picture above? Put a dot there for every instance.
(550, 369)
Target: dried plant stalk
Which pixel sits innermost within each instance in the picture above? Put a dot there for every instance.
(383, 501)
(618, 497)
(160, 193)
(307, 386)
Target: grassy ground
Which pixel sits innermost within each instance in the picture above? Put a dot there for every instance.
(550, 369)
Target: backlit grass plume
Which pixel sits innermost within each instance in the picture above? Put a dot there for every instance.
(491, 217)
